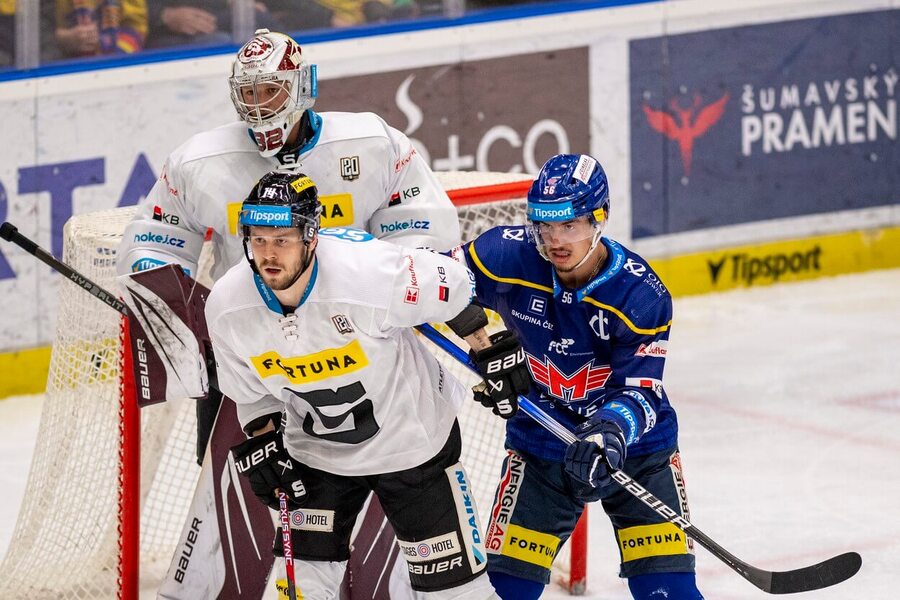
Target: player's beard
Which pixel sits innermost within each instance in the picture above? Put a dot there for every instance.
(289, 273)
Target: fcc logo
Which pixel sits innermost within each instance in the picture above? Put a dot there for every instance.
(350, 168)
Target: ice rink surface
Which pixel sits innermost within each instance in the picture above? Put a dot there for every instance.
(789, 406)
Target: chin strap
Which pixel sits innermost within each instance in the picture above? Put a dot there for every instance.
(306, 263)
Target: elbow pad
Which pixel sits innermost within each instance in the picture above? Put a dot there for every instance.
(147, 244)
(417, 225)
(471, 319)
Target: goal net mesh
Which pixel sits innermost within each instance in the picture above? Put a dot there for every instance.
(65, 543)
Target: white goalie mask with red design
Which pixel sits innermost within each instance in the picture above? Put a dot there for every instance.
(271, 87)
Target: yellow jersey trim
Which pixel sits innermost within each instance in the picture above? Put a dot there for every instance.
(544, 288)
(626, 320)
(511, 280)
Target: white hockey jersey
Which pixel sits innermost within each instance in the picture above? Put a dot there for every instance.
(361, 394)
(368, 174)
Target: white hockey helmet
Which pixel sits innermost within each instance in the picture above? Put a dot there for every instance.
(271, 87)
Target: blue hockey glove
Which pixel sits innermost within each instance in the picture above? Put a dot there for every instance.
(505, 373)
(600, 447)
(268, 467)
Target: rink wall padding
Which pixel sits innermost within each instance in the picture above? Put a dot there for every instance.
(746, 142)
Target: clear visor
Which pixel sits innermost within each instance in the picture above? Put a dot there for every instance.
(287, 238)
(561, 233)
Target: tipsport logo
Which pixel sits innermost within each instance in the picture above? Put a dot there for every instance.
(559, 212)
(685, 125)
(269, 216)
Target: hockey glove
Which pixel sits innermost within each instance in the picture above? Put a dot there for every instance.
(600, 447)
(505, 373)
(268, 467)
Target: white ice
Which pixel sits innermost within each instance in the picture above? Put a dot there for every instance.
(789, 406)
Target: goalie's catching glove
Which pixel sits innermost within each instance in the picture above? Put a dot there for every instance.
(268, 467)
(505, 373)
(600, 447)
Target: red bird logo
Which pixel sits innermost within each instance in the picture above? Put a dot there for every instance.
(687, 129)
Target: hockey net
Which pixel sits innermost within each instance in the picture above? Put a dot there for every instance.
(83, 501)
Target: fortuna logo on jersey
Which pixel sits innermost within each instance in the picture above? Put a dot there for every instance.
(330, 362)
(568, 388)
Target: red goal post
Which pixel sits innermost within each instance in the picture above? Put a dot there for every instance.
(110, 485)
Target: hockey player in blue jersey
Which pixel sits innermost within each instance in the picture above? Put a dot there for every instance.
(593, 319)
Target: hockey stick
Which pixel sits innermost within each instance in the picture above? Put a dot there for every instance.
(287, 544)
(10, 233)
(814, 577)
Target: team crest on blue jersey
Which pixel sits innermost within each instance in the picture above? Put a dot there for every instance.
(563, 386)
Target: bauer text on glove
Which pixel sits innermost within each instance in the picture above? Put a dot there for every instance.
(268, 467)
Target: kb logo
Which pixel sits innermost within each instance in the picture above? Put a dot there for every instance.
(350, 167)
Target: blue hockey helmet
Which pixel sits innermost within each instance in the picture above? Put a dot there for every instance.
(568, 187)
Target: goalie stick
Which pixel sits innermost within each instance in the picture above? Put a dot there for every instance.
(821, 575)
(10, 233)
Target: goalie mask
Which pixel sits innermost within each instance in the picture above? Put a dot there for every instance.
(570, 188)
(271, 87)
(279, 200)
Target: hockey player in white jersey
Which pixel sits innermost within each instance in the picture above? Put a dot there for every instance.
(370, 177)
(369, 174)
(313, 341)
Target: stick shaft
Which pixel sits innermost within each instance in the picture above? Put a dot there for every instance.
(817, 576)
(287, 544)
(12, 234)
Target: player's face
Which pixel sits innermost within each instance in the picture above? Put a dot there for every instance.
(279, 254)
(566, 242)
(265, 100)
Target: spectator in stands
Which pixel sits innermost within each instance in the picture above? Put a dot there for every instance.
(7, 32)
(92, 27)
(346, 13)
(296, 15)
(196, 22)
(476, 4)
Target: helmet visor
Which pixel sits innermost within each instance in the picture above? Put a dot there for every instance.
(561, 233)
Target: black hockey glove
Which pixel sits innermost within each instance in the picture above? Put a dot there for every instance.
(600, 447)
(505, 374)
(268, 467)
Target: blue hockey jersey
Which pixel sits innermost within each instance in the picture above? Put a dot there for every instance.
(602, 346)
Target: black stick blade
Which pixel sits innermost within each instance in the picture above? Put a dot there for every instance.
(815, 577)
